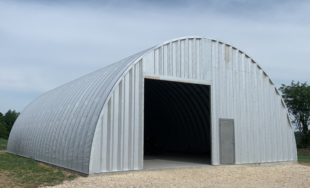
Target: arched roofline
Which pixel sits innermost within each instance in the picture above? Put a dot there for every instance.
(59, 126)
(151, 50)
(201, 37)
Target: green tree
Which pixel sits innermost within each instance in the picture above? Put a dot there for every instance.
(9, 119)
(1, 118)
(297, 99)
(3, 131)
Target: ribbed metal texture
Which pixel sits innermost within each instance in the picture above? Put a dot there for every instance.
(58, 126)
(181, 58)
(242, 91)
(95, 123)
(118, 140)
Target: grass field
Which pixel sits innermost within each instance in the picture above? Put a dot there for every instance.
(3, 144)
(17, 171)
(303, 157)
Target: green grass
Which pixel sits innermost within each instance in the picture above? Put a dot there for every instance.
(3, 144)
(25, 172)
(303, 158)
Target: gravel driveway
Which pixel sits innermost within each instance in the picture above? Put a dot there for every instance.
(275, 176)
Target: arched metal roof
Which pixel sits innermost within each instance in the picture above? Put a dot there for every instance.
(59, 126)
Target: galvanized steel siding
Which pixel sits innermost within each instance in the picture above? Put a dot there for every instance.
(58, 126)
(183, 58)
(118, 140)
(243, 92)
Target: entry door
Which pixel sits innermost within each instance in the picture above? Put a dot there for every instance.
(227, 141)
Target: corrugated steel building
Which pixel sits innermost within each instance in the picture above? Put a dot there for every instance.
(197, 94)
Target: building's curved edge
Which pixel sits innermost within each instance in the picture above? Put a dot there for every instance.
(137, 60)
(109, 96)
(29, 105)
(242, 51)
(110, 93)
(176, 39)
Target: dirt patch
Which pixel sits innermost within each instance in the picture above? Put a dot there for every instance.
(5, 181)
(306, 164)
(275, 176)
(2, 151)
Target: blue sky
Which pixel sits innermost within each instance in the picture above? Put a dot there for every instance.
(44, 44)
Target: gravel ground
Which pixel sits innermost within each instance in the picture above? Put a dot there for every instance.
(275, 176)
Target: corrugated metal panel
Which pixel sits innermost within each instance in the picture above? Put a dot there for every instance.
(190, 101)
(241, 91)
(118, 140)
(185, 58)
(58, 126)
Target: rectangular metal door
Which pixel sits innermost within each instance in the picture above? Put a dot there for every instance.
(227, 141)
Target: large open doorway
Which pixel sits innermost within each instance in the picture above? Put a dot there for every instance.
(176, 124)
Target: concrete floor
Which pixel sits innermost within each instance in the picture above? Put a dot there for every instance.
(176, 160)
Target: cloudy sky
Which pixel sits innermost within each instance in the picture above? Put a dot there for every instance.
(46, 43)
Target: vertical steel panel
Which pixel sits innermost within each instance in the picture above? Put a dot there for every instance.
(207, 64)
(165, 60)
(185, 58)
(198, 59)
(124, 119)
(136, 116)
(110, 132)
(215, 99)
(131, 119)
(103, 140)
(252, 101)
(182, 58)
(190, 59)
(126, 122)
(115, 124)
(174, 58)
(150, 57)
(141, 116)
(156, 61)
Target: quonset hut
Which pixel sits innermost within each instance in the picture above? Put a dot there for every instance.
(194, 94)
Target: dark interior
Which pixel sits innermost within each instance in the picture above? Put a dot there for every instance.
(176, 119)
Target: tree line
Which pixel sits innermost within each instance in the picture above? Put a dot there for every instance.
(6, 123)
(297, 100)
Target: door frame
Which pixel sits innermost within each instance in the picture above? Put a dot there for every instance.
(189, 81)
